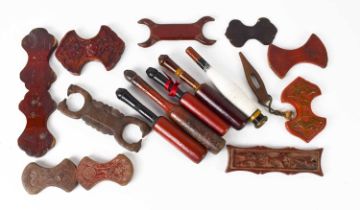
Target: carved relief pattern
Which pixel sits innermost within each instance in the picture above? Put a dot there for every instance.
(306, 124)
(262, 160)
(119, 170)
(74, 52)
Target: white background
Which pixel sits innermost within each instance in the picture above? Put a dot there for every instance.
(164, 178)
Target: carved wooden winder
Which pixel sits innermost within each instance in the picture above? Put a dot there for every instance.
(282, 60)
(263, 160)
(306, 125)
(37, 104)
(35, 178)
(74, 52)
(90, 172)
(263, 31)
(190, 31)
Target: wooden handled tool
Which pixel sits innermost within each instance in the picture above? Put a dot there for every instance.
(195, 128)
(230, 90)
(189, 102)
(223, 107)
(172, 133)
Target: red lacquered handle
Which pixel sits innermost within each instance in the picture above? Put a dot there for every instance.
(222, 106)
(183, 142)
(136, 80)
(197, 108)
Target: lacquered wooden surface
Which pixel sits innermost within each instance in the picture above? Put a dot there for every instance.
(306, 125)
(223, 107)
(282, 60)
(90, 172)
(184, 31)
(202, 112)
(37, 104)
(74, 52)
(189, 102)
(178, 138)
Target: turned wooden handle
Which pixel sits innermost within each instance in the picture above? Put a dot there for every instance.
(172, 133)
(136, 80)
(178, 138)
(189, 102)
(166, 62)
(119, 170)
(201, 111)
(222, 106)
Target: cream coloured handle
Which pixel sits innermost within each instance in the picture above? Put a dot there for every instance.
(232, 92)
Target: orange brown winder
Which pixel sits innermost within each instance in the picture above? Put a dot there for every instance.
(172, 133)
(305, 125)
(189, 102)
(189, 123)
(217, 102)
(74, 52)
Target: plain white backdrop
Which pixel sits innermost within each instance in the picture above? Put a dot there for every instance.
(164, 178)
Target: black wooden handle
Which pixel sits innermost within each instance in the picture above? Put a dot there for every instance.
(165, 81)
(124, 95)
